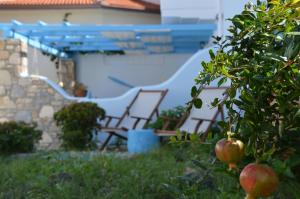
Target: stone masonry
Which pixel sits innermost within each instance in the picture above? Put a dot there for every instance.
(25, 98)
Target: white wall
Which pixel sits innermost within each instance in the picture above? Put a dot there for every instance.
(203, 9)
(83, 16)
(179, 86)
(138, 70)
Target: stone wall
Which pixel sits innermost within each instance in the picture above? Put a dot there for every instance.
(25, 98)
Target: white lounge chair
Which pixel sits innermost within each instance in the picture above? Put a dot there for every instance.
(136, 116)
(199, 120)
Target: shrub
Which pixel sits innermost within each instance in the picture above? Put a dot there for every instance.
(77, 121)
(175, 113)
(261, 60)
(18, 137)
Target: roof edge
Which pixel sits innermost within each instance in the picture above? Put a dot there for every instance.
(97, 4)
(45, 7)
(153, 11)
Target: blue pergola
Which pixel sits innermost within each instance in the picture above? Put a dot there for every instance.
(65, 39)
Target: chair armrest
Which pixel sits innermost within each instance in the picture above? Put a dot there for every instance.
(113, 117)
(138, 117)
(110, 118)
(202, 119)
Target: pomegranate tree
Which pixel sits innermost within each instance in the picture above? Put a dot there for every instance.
(258, 180)
(230, 151)
(260, 59)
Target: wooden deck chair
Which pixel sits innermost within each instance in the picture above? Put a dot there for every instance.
(137, 115)
(199, 120)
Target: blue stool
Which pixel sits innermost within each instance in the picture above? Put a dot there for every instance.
(142, 141)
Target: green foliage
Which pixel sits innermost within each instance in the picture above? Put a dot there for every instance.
(206, 179)
(261, 60)
(77, 121)
(150, 176)
(77, 175)
(18, 137)
(174, 115)
(209, 178)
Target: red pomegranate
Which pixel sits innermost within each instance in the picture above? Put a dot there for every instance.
(230, 151)
(258, 180)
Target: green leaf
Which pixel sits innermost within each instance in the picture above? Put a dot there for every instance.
(231, 92)
(194, 92)
(199, 164)
(197, 103)
(211, 53)
(222, 81)
(215, 102)
(194, 137)
(246, 96)
(297, 115)
(238, 22)
(173, 139)
(274, 2)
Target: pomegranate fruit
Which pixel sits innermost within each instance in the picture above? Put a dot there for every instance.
(230, 151)
(258, 180)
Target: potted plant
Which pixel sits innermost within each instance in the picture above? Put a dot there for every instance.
(80, 90)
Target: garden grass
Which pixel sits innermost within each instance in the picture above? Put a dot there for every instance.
(63, 175)
(167, 173)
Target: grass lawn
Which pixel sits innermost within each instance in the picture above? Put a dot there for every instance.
(63, 175)
(72, 175)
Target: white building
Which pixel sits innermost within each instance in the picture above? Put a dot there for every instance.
(165, 55)
(112, 75)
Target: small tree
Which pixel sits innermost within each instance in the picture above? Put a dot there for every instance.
(261, 60)
(77, 121)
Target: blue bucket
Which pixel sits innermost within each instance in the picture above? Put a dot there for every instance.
(142, 141)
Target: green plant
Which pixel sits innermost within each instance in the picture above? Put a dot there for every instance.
(204, 177)
(18, 137)
(80, 90)
(174, 115)
(208, 178)
(77, 121)
(261, 61)
(77, 175)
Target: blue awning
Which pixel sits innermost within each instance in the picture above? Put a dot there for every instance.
(147, 39)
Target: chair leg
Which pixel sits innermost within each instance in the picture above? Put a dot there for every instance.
(118, 135)
(106, 142)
